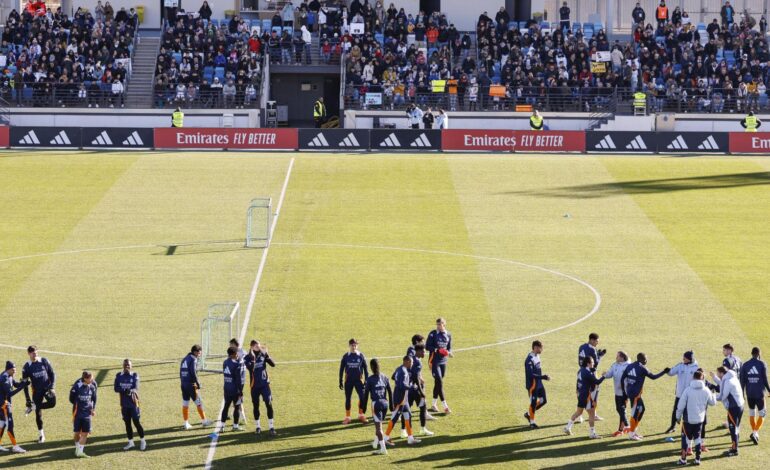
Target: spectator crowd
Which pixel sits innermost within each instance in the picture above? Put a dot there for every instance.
(50, 59)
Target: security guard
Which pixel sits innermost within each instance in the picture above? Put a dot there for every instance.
(751, 123)
(536, 121)
(177, 118)
(319, 112)
(640, 102)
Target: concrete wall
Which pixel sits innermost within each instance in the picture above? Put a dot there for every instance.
(128, 118)
(469, 120)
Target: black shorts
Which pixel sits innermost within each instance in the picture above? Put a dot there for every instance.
(755, 403)
(82, 424)
(189, 393)
(380, 411)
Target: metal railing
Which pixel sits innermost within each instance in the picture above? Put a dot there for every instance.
(59, 95)
(590, 100)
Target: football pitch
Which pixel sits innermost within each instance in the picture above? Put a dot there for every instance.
(660, 255)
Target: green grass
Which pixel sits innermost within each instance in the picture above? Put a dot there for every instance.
(676, 247)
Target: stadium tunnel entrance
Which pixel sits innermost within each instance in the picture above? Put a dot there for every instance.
(299, 92)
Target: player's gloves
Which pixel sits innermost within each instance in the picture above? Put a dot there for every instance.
(602, 352)
(51, 394)
(443, 352)
(545, 377)
(667, 370)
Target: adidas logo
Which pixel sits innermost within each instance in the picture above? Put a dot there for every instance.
(319, 141)
(632, 373)
(637, 144)
(61, 139)
(421, 141)
(30, 138)
(678, 144)
(133, 139)
(753, 371)
(606, 143)
(390, 141)
(102, 139)
(350, 141)
(709, 144)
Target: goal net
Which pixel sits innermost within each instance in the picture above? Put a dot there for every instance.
(222, 323)
(259, 217)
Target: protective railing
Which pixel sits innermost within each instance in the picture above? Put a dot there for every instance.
(559, 99)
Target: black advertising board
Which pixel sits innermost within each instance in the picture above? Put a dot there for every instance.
(334, 139)
(117, 137)
(405, 139)
(63, 137)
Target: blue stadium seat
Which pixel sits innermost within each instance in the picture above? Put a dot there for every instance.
(247, 22)
(588, 26)
(27, 93)
(380, 38)
(729, 55)
(266, 25)
(177, 57)
(598, 26)
(677, 68)
(310, 18)
(290, 30)
(545, 25)
(208, 70)
(513, 25)
(575, 28)
(214, 22)
(522, 25)
(277, 30)
(219, 72)
(702, 26)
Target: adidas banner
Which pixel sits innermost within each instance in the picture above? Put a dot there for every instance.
(416, 140)
(692, 142)
(118, 137)
(56, 137)
(334, 139)
(621, 142)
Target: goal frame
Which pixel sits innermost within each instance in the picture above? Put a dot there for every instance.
(261, 239)
(216, 332)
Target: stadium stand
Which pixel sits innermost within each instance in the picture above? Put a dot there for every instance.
(218, 65)
(52, 60)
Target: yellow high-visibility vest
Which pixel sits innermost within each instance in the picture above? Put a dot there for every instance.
(536, 123)
(438, 86)
(640, 100)
(319, 110)
(751, 124)
(177, 119)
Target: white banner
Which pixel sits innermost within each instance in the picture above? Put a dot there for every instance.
(357, 28)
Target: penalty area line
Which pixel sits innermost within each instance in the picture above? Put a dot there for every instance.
(219, 426)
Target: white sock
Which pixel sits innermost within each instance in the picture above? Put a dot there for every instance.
(141, 440)
(41, 433)
(131, 441)
(593, 431)
(382, 444)
(569, 424)
(270, 423)
(435, 402)
(259, 424)
(444, 403)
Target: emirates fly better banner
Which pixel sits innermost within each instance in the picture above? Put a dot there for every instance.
(512, 141)
(213, 138)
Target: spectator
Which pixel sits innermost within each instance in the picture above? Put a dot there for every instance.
(117, 94)
(442, 121)
(286, 47)
(277, 21)
(638, 15)
(503, 16)
(308, 40)
(109, 12)
(299, 47)
(661, 14)
(228, 91)
(564, 12)
(122, 15)
(99, 11)
(205, 11)
(287, 14)
(728, 14)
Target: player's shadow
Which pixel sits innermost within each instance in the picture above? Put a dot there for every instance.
(64, 449)
(654, 186)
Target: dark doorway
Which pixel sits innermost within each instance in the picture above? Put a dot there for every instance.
(299, 92)
(429, 6)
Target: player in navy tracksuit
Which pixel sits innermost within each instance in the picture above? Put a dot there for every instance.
(188, 377)
(403, 379)
(354, 372)
(417, 392)
(633, 384)
(8, 388)
(439, 346)
(234, 379)
(590, 349)
(731, 361)
(42, 379)
(533, 382)
(754, 383)
(377, 387)
(587, 395)
(83, 399)
(256, 362)
(127, 385)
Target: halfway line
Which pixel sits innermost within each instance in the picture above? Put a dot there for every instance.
(220, 425)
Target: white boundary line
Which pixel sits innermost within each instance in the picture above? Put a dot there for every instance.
(220, 425)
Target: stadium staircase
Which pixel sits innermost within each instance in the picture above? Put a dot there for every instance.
(140, 87)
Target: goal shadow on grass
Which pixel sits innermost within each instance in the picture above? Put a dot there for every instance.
(666, 185)
(202, 247)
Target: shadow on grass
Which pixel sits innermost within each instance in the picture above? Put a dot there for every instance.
(61, 450)
(736, 180)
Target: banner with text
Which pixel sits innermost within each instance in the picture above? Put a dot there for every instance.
(750, 142)
(497, 140)
(213, 138)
